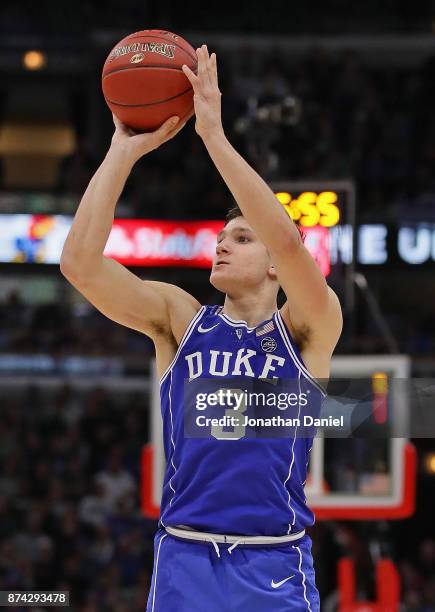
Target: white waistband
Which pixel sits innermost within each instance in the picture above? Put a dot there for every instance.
(202, 536)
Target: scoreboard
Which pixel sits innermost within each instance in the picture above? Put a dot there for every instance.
(310, 208)
(325, 210)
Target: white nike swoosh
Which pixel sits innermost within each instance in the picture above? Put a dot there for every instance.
(203, 330)
(275, 585)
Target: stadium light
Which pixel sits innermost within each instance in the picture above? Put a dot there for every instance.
(429, 464)
(34, 60)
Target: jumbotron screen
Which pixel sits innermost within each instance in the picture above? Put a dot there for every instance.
(324, 211)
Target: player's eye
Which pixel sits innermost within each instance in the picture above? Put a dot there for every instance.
(243, 239)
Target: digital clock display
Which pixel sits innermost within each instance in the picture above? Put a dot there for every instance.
(311, 208)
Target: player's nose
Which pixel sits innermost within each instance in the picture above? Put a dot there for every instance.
(222, 247)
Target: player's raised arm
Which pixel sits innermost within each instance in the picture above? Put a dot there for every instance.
(147, 306)
(310, 301)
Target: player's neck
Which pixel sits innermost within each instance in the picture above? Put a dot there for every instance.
(250, 309)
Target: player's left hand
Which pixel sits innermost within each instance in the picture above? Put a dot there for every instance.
(207, 97)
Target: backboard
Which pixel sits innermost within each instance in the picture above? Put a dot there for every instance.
(352, 478)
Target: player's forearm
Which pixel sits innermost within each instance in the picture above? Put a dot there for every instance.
(254, 197)
(93, 221)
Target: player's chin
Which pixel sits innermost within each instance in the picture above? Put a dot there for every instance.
(220, 279)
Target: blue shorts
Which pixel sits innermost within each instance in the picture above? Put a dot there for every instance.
(189, 576)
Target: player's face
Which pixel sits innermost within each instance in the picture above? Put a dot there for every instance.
(241, 261)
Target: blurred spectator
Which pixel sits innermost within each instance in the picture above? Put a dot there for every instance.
(8, 522)
(94, 508)
(116, 481)
(9, 479)
(426, 558)
(103, 547)
(129, 556)
(32, 540)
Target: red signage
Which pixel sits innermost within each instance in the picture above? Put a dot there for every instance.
(187, 243)
(163, 243)
(134, 242)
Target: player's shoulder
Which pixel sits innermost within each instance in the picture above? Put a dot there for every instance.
(328, 331)
(173, 292)
(333, 299)
(334, 317)
(181, 308)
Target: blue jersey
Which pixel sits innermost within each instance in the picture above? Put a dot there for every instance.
(245, 486)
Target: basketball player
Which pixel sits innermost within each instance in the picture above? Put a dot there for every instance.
(232, 530)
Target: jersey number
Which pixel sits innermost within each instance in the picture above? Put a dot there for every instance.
(238, 431)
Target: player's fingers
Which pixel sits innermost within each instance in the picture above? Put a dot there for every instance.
(166, 128)
(122, 128)
(213, 69)
(177, 129)
(204, 49)
(208, 77)
(202, 67)
(169, 124)
(194, 80)
(119, 125)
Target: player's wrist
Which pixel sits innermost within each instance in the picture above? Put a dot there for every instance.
(122, 153)
(212, 134)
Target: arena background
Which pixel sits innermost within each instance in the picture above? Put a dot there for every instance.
(333, 91)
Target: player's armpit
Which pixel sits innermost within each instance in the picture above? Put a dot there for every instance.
(182, 306)
(153, 308)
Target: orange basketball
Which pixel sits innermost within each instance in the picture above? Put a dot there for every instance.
(143, 83)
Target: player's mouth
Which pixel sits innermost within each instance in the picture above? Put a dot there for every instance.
(220, 263)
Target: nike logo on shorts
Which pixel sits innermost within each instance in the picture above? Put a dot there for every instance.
(275, 585)
(204, 330)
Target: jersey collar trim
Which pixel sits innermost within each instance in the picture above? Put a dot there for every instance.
(235, 323)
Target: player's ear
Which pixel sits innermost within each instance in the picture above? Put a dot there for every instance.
(272, 272)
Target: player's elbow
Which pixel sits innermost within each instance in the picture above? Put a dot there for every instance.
(66, 264)
(71, 267)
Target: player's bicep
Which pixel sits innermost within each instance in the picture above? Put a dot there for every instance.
(123, 297)
(303, 283)
(312, 306)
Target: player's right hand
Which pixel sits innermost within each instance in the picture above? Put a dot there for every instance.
(136, 145)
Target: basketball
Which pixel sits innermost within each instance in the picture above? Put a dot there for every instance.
(143, 83)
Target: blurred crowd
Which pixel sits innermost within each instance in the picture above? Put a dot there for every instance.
(60, 329)
(70, 517)
(63, 328)
(339, 118)
(330, 16)
(69, 496)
